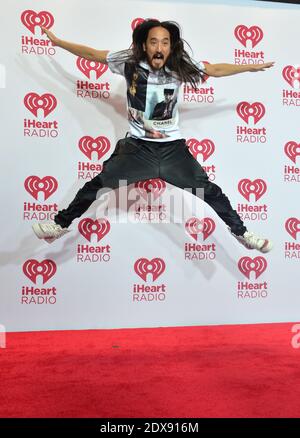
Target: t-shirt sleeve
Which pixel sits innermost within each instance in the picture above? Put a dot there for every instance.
(116, 61)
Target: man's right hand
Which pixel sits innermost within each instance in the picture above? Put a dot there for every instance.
(77, 49)
(50, 35)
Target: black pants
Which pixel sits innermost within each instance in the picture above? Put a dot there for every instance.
(135, 160)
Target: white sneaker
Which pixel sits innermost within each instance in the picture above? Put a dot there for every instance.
(49, 231)
(250, 241)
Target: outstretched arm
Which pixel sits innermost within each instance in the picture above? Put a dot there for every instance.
(78, 49)
(219, 70)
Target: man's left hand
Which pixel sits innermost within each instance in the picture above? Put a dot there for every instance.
(261, 67)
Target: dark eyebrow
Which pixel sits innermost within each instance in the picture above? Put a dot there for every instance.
(154, 39)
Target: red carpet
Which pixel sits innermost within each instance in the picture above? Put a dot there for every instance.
(191, 372)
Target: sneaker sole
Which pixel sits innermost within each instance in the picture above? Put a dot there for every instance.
(267, 246)
(41, 235)
(37, 231)
(49, 239)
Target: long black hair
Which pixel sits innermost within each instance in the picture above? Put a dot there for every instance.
(178, 61)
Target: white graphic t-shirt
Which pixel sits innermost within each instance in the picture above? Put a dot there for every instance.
(152, 98)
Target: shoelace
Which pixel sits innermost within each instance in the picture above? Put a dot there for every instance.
(253, 240)
(49, 228)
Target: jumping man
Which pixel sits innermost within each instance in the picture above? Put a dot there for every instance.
(154, 67)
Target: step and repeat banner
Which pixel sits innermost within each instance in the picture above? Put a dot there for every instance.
(149, 254)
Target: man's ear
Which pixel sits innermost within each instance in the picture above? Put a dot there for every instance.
(144, 47)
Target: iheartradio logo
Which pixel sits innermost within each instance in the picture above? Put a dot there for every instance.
(244, 34)
(47, 185)
(257, 265)
(155, 186)
(292, 226)
(136, 22)
(30, 19)
(87, 227)
(88, 145)
(155, 267)
(292, 75)
(292, 150)
(195, 226)
(86, 66)
(34, 102)
(255, 110)
(32, 268)
(204, 147)
(258, 188)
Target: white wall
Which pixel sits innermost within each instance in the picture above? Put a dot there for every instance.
(100, 294)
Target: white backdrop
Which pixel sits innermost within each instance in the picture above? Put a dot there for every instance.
(56, 110)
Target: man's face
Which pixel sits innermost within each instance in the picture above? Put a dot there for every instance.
(168, 97)
(157, 47)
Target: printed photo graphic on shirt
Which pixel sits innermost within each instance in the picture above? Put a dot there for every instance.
(158, 112)
(163, 110)
(137, 79)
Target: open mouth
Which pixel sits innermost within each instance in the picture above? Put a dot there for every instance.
(158, 56)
